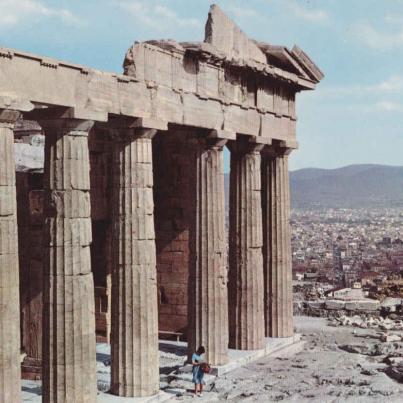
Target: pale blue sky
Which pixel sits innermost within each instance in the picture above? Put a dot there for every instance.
(355, 115)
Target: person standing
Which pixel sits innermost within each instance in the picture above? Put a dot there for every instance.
(197, 371)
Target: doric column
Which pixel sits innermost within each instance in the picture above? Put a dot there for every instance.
(134, 326)
(208, 301)
(10, 373)
(277, 243)
(69, 362)
(246, 317)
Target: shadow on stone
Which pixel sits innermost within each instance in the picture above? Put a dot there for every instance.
(173, 349)
(104, 358)
(37, 390)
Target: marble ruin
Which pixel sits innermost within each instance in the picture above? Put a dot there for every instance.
(124, 234)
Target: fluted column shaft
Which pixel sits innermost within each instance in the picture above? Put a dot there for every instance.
(246, 316)
(134, 324)
(10, 373)
(69, 362)
(208, 300)
(277, 243)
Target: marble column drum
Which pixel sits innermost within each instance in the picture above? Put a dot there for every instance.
(10, 372)
(69, 362)
(246, 316)
(134, 326)
(208, 300)
(277, 243)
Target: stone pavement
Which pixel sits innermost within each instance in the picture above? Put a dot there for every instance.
(175, 377)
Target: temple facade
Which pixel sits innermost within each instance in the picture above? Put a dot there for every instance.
(124, 234)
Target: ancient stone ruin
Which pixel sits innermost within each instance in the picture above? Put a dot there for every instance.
(132, 198)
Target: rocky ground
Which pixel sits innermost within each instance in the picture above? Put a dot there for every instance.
(339, 364)
(345, 359)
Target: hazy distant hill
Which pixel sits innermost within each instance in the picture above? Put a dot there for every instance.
(350, 187)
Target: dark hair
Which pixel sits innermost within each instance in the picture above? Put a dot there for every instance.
(200, 350)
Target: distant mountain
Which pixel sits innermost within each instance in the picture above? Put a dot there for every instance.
(348, 187)
(353, 186)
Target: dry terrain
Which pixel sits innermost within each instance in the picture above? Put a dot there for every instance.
(324, 372)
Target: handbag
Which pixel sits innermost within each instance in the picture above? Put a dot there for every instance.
(206, 368)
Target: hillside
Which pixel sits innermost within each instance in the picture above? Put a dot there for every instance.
(352, 186)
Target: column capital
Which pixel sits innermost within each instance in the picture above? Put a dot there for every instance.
(222, 134)
(11, 103)
(245, 145)
(128, 128)
(274, 151)
(59, 119)
(130, 134)
(66, 124)
(8, 116)
(128, 122)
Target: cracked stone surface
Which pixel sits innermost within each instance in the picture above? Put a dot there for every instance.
(321, 373)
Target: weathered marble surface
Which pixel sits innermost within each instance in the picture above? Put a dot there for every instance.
(68, 354)
(10, 371)
(134, 327)
(277, 243)
(245, 289)
(208, 299)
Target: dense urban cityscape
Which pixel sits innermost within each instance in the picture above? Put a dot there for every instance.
(349, 247)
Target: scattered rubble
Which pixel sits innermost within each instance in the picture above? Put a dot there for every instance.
(323, 372)
(367, 321)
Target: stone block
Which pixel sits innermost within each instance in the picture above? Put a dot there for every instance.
(168, 105)
(67, 231)
(134, 99)
(225, 35)
(7, 164)
(8, 236)
(208, 81)
(68, 174)
(68, 204)
(67, 260)
(335, 304)
(362, 305)
(239, 120)
(185, 70)
(316, 304)
(142, 179)
(135, 252)
(7, 201)
(157, 65)
(391, 338)
(202, 113)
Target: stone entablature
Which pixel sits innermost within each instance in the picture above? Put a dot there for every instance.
(204, 84)
(94, 95)
(187, 89)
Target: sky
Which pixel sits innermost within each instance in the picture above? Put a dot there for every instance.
(354, 116)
